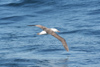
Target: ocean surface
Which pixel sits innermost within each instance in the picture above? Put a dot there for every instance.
(77, 20)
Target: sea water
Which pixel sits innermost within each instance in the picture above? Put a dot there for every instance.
(77, 20)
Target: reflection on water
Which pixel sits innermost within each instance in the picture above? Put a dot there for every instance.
(35, 62)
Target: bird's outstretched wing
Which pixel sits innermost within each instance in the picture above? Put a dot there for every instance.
(61, 39)
(53, 34)
(40, 26)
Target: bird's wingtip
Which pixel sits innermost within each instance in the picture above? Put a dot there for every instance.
(31, 25)
(67, 50)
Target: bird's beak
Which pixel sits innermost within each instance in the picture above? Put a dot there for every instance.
(58, 31)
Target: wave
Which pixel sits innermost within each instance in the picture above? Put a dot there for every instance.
(74, 31)
(23, 2)
(87, 32)
(15, 18)
(5, 23)
(49, 50)
(94, 12)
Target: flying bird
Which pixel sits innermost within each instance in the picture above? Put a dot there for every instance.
(52, 32)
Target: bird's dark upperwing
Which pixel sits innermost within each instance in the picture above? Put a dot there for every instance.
(61, 39)
(40, 26)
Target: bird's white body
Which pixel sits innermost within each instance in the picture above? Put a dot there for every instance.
(44, 32)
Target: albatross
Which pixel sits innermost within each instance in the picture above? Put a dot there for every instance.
(52, 32)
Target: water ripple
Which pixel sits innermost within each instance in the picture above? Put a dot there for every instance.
(13, 18)
(94, 12)
(78, 21)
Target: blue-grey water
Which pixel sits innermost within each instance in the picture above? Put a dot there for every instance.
(77, 20)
